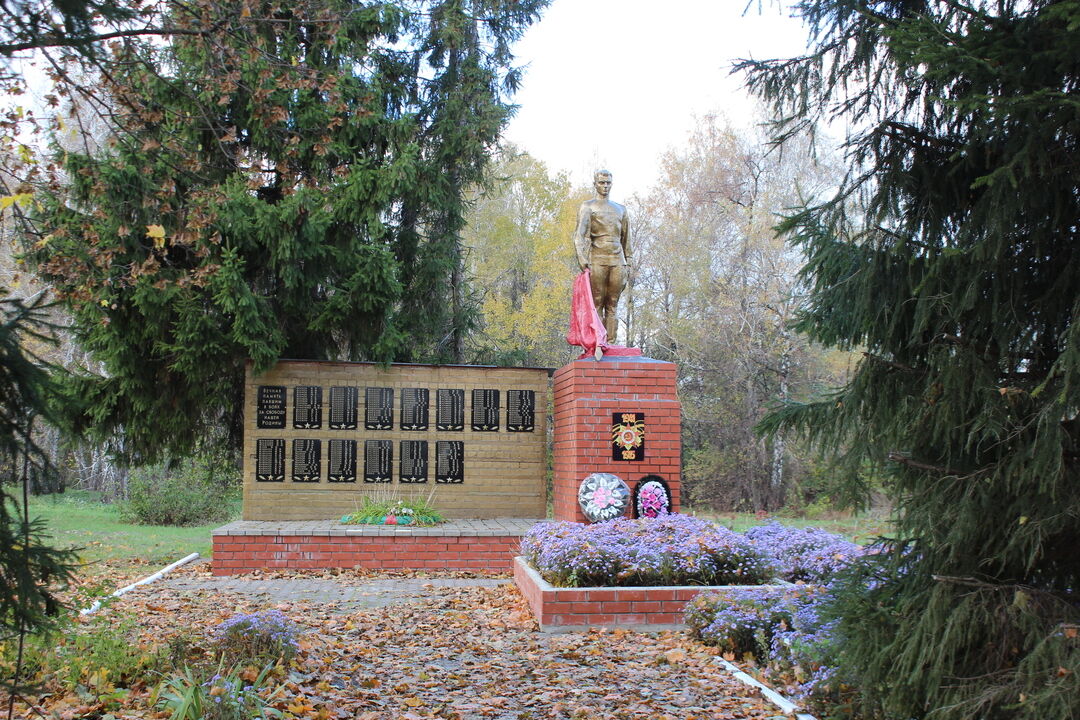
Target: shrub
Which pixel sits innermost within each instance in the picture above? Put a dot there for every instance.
(804, 554)
(666, 550)
(196, 492)
(230, 694)
(98, 654)
(258, 636)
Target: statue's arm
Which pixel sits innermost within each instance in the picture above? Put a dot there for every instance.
(582, 241)
(625, 236)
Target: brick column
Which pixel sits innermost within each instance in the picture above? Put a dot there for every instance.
(587, 392)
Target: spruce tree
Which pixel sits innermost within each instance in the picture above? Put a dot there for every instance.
(30, 570)
(277, 179)
(959, 279)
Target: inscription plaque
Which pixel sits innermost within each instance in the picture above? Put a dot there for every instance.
(270, 408)
(628, 436)
(307, 406)
(485, 410)
(342, 466)
(520, 410)
(270, 459)
(414, 408)
(450, 410)
(343, 408)
(414, 462)
(378, 461)
(379, 408)
(306, 457)
(449, 461)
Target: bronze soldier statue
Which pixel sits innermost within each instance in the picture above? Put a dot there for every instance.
(602, 240)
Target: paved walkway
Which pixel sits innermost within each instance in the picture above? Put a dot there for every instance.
(348, 593)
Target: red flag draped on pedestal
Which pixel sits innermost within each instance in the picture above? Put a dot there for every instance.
(586, 329)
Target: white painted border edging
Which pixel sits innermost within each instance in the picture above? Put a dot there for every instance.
(786, 706)
(148, 579)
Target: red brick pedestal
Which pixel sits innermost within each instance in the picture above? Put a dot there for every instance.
(587, 393)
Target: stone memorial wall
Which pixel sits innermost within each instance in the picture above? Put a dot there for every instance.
(321, 435)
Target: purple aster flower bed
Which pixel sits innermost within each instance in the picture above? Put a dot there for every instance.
(782, 628)
(807, 554)
(258, 635)
(749, 622)
(665, 550)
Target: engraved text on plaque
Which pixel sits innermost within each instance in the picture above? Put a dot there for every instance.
(270, 459)
(378, 461)
(449, 461)
(306, 460)
(343, 408)
(307, 406)
(414, 409)
(414, 462)
(342, 466)
(450, 413)
(379, 408)
(270, 407)
(520, 410)
(485, 410)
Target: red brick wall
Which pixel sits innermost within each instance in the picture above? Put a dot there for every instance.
(235, 554)
(573, 608)
(586, 394)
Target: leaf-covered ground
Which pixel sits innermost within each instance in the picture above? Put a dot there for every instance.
(467, 652)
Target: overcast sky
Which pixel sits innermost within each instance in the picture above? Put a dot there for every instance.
(614, 83)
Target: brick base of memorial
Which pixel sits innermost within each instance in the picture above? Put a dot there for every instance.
(644, 609)
(247, 545)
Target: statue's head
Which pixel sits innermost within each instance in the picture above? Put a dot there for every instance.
(602, 182)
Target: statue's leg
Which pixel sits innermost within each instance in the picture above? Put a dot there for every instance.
(598, 283)
(616, 281)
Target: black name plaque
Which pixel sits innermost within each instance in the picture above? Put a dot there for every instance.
(414, 408)
(343, 408)
(307, 407)
(449, 461)
(378, 408)
(485, 410)
(520, 410)
(414, 461)
(342, 467)
(450, 410)
(306, 459)
(270, 407)
(270, 459)
(378, 461)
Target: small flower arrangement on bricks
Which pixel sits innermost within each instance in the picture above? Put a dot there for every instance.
(392, 510)
(665, 550)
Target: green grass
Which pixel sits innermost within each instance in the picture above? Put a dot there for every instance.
(78, 518)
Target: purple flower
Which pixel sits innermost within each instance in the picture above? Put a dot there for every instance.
(806, 554)
(266, 633)
(665, 550)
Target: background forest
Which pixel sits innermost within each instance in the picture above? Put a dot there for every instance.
(713, 288)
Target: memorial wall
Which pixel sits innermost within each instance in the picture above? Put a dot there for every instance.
(318, 436)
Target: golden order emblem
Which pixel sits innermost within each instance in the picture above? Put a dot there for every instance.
(628, 434)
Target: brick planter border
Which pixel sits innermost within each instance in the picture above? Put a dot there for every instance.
(644, 609)
(244, 546)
